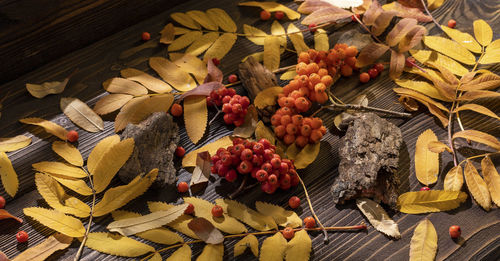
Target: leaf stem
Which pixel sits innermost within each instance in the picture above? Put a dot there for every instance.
(479, 156)
(325, 239)
(80, 249)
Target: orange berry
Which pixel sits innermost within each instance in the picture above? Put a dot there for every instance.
(316, 123)
(289, 139)
(351, 51)
(320, 88)
(280, 131)
(307, 121)
(145, 36)
(322, 55)
(322, 72)
(285, 119)
(304, 92)
(340, 46)
(321, 97)
(2, 202)
(332, 57)
(301, 69)
(297, 119)
(72, 136)
(351, 61)
(294, 202)
(301, 141)
(276, 120)
(182, 187)
(176, 110)
(452, 23)
(265, 15)
(309, 222)
(312, 68)
(291, 128)
(286, 90)
(455, 231)
(364, 77)
(294, 84)
(323, 130)
(288, 233)
(302, 104)
(315, 136)
(282, 100)
(305, 130)
(289, 101)
(327, 80)
(286, 111)
(295, 95)
(304, 57)
(341, 54)
(322, 64)
(217, 211)
(332, 70)
(312, 54)
(346, 70)
(314, 78)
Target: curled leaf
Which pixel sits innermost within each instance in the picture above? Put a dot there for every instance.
(473, 95)
(377, 216)
(206, 231)
(114, 244)
(309, 6)
(14, 143)
(41, 90)
(50, 127)
(248, 241)
(150, 82)
(189, 159)
(195, 117)
(454, 179)
(426, 161)
(167, 34)
(477, 186)
(382, 22)
(372, 13)
(491, 178)
(4, 214)
(273, 248)
(282, 217)
(81, 114)
(397, 64)
(412, 38)
(222, 19)
(438, 147)
(480, 137)
(299, 248)
(273, 7)
(57, 221)
(247, 215)
(487, 81)
(8, 175)
(201, 172)
(247, 129)
(423, 245)
(483, 32)
(45, 249)
(400, 30)
(407, 12)
(418, 202)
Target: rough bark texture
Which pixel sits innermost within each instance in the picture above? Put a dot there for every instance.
(369, 154)
(156, 139)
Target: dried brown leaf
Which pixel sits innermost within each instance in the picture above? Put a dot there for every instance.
(206, 231)
(477, 186)
(408, 12)
(370, 53)
(41, 90)
(400, 30)
(4, 214)
(487, 81)
(412, 38)
(419, 97)
(382, 22)
(378, 217)
(473, 95)
(45, 249)
(248, 128)
(310, 6)
(201, 172)
(326, 15)
(371, 14)
(397, 64)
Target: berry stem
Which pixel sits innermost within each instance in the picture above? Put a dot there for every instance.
(240, 188)
(321, 227)
(216, 115)
(84, 240)
(232, 84)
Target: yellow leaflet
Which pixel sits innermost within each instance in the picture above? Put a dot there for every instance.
(68, 152)
(184, 41)
(306, 155)
(248, 241)
(450, 48)
(267, 97)
(156, 257)
(221, 47)
(180, 224)
(477, 108)
(195, 117)
(167, 34)
(99, 150)
(438, 147)
(321, 40)
(477, 187)
(299, 248)
(77, 185)
(222, 19)
(172, 74)
(45, 249)
(418, 202)
(189, 159)
(258, 56)
(483, 32)
(247, 215)
(272, 53)
(150, 82)
(117, 245)
(41, 90)
(180, 30)
(202, 43)
(140, 108)
(261, 131)
(81, 114)
(14, 143)
(288, 75)
(191, 64)
(278, 30)
(423, 245)
(273, 248)
(282, 217)
(464, 39)
(426, 161)
(203, 19)
(454, 179)
(297, 39)
(424, 56)
(124, 86)
(480, 137)
(57, 221)
(211, 253)
(492, 54)
(273, 7)
(420, 97)
(492, 179)
(185, 20)
(48, 126)
(181, 254)
(434, 4)
(8, 175)
(111, 103)
(423, 87)
(253, 34)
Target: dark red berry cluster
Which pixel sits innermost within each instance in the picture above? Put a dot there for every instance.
(233, 105)
(258, 159)
(372, 73)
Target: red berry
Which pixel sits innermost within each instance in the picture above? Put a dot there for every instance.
(245, 167)
(279, 15)
(379, 67)
(227, 108)
(215, 61)
(217, 211)
(268, 188)
(294, 202)
(265, 15)
(72, 136)
(2, 202)
(228, 119)
(288, 233)
(180, 151)
(237, 141)
(425, 189)
(257, 160)
(246, 154)
(283, 168)
(189, 210)
(452, 23)
(373, 73)
(231, 175)
(455, 232)
(267, 167)
(145, 36)
(237, 108)
(226, 159)
(309, 222)
(244, 101)
(312, 28)
(258, 148)
(22, 236)
(285, 181)
(354, 18)
(272, 179)
(276, 163)
(176, 110)
(364, 77)
(182, 187)
(232, 78)
(261, 175)
(265, 143)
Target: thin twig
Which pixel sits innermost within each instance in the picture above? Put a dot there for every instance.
(325, 239)
(357, 107)
(240, 188)
(232, 84)
(216, 115)
(84, 240)
(284, 69)
(429, 13)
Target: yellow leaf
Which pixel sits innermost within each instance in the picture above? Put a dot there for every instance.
(492, 179)
(486, 81)
(258, 56)
(14, 143)
(48, 126)
(150, 82)
(202, 43)
(117, 197)
(41, 90)
(54, 195)
(273, 7)
(156, 257)
(181, 254)
(111, 162)
(191, 64)
(377, 216)
(99, 150)
(477, 108)
(45, 249)
(299, 248)
(111, 103)
(57, 221)
(117, 245)
(195, 117)
(477, 186)
(434, 4)
(297, 38)
(263, 132)
(454, 179)
(225, 223)
(185, 20)
(180, 30)
(81, 114)
(288, 75)
(438, 147)
(306, 155)
(418, 202)
(254, 34)
(423, 245)
(167, 34)
(272, 53)
(321, 42)
(247, 215)
(8, 175)
(222, 19)
(77, 185)
(124, 86)
(172, 74)
(419, 97)
(473, 95)
(492, 54)
(203, 19)
(267, 97)
(479, 136)
(184, 41)
(424, 56)
(180, 224)
(159, 235)
(248, 241)
(189, 159)
(140, 108)
(221, 47)
(464, 39)
(282, 217)
(426, 161)
(422, 87)
(211, 253)
(68, 152)
(483, 32)
(450, 48)
(273, 248)
(279, 31)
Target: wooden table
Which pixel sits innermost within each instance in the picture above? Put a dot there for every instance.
(105, 56)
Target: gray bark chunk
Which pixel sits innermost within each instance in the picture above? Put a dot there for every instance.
(156, 139)
(369, 154)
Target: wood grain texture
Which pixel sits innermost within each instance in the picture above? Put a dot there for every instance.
(104, 59)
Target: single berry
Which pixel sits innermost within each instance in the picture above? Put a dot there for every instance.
(180, 151)
(346, 70)
(176, 110)
(353, 18)
(22, 236)
(276, 163)
(364, 77)
(294, 202)
(145, 36)
(272, 179)
(189, 210)
(261, 175)
(215, 61)
(452, 23)
(373, 73)
(455, 232)
(182, 187)
(245, 167)
(232, 78)
(425, 189)
(245, 102)
(2, 202)
(279, 15)
(72, 136)
(312, 28)
(246, 154)
(231, 175)
(265, 15)
(309, 222)
(379, 67)
(288, 233)
(217, 211)
(351, 51)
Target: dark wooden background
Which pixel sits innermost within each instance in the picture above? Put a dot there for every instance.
(46, 40)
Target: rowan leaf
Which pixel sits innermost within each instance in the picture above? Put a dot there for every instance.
(184, 41)
(397, 64)
(99, 150)
(181, 254)
(138, 109)
(492, 179)
(370, 53)
(299, 248)
(248, 241)
(283, 217)
(156, 257)
(477, 186)
(201, 172)
(167, 34)
(195, 117)
(418, 202)
(117, 197)
(221, 47)
(117, 245)
(321, 42)
(483, 32)
(261, 131)
(181, 30)
(422, 87)
(185, 20)
(279, 31)
(172, 74)
(464, 39)
(429, 74)
(454, 179)
(438, 147)
(399, 31)
(247, 215)
(148, 81)
(308, 7)
(8, 175)
(267, 97)
(50, 127)
(487, 81)
(273, 248)
(201, 44)
(474, 95)
(206, 231)
(272, 52)
(273, 7)
(492, 54)
(57, 221)
(4, 214)
(304, 156)
(45, 249)
(297, 38)
(326, 15)
(382, 22)
(479, 136)
(222, 19)
(254, 34)
(180, 224)
(450, 48)
(426, 161)
(423, 245)
(424, 56)
(407, 12)
(41, 90)
(211, 253)
(14, 143)
(68, 152)
(288, 75)
(77, 185)
(412, 38)
(189, 160)
(124, 86)
(81, 114)
(477, 108)
(377, 216)
(111, 103)
(190, 64)
(372, 13)
(225, 223)
(203, 19)
(419, 97)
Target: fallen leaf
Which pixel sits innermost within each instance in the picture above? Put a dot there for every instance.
(423, 245)
(45, 249)
(185, 20)
(399, 31)
(474, 95)
(297, 38)
(407, 12)
(409, 103)
(412, 38)
(221, 47)
(189, 159)
(370, 54)
(464, 39)
(202, 90)
(117, 197)
(211, 253)
(50, 127)
(81, 114)
(4, 214)
(99, 150)
(222, 19)
(477, 108)
(77, 185)
(214, 74)
(299, 248)
(68, 152)
(14, 143)
(279, 31)
(284, 218)
(418, 202)
(450, 48)
(254, 34)
(201, 172)
(310, 6)
(267, 97)
(345, 3)
(424, 56)
(148, 81)
(321, 41)
(180, 30)
(117, 245)
(8, 175)
(41, 90)
(201, 44)
(438, 147)
(206, 231)
(180, 224)
(397, 64)
(247, 215)
(203, 19)
(273, 7)
(273, 248)
(167, 34)
(326, 15)
(487, 81)
(271, 52)
(263, 132)
(450, 79)
(491, 178)
(422, 87)
(305, 156)
(377, 216)
(181, 254)
(111, 103)
(492, 54)
(247, 129)
(156, 257)
(190, 64)
(372, 13)
(140, 108)
(382, 22)
(57, 221)
(124, 86)
(454, 179)
(172, 74)
(477, 186)
(419, 97)
(479, 136)
(426, 161)
(195, 117)
(184, 41)
(483, 32)
(288, 75)
(248, 241)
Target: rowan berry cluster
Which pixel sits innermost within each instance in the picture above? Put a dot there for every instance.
(257, 159)
(341, 59)
(233, 105)
(296, 128)
(372, 73)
